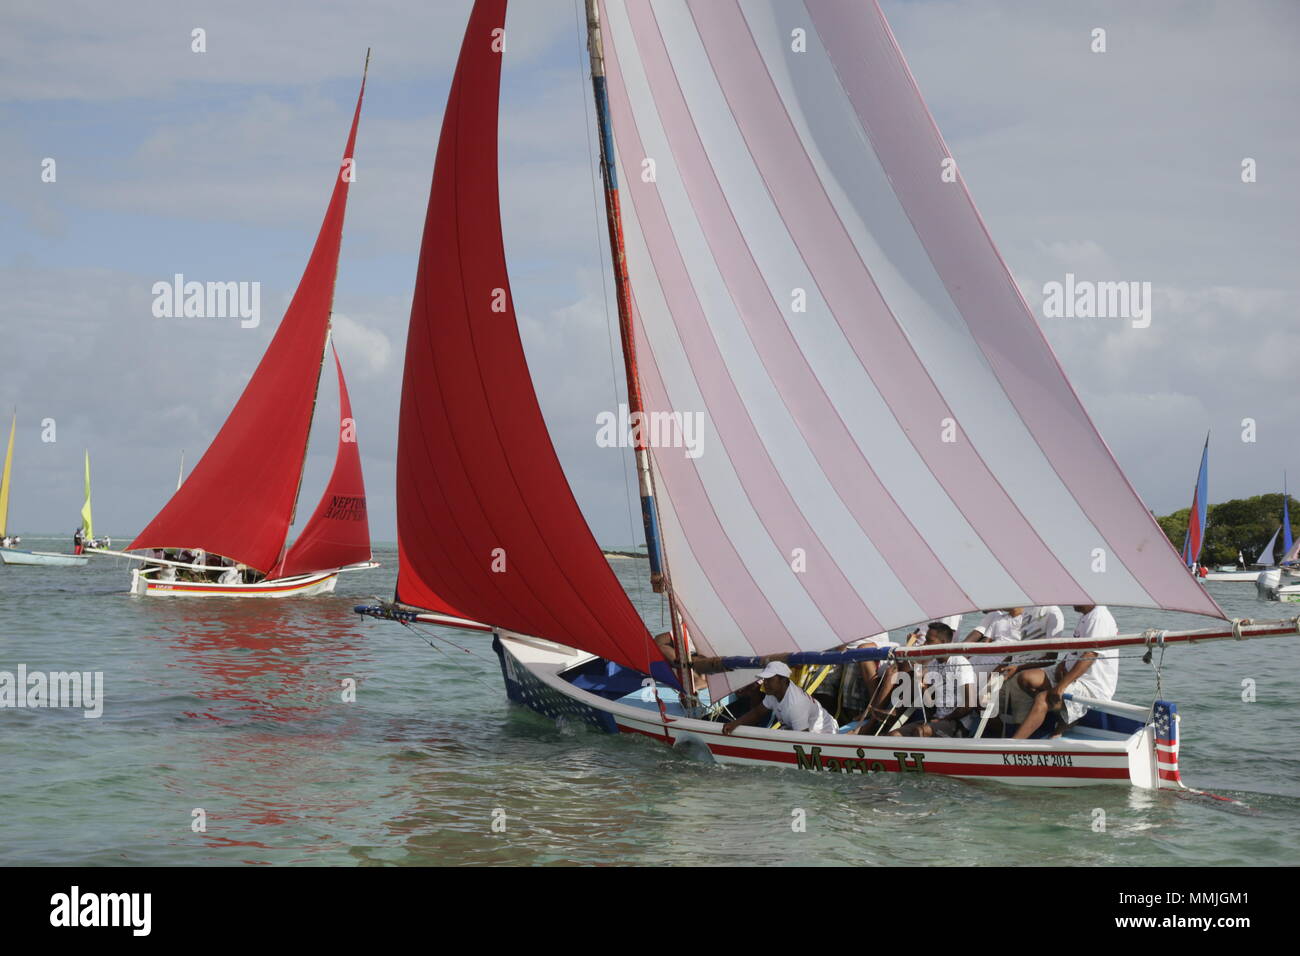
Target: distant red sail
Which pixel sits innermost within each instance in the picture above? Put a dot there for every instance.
(488, 525)
(338, 532)
(239, 499)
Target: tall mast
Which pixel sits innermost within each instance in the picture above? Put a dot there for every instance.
(324, 352)
(659, 577)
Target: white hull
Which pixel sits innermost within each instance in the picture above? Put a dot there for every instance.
(304, 585)
(1288, 594)
(1243, 576)
(47, 559)
(1278, 585)
(532, 670)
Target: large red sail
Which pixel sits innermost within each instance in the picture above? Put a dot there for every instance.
(239, 499)
(488, 526)
(338, 532)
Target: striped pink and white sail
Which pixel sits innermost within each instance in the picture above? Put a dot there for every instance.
(888, 437)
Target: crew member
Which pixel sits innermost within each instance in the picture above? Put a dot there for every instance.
(1087, 673)
(792, 707)
(949, 684)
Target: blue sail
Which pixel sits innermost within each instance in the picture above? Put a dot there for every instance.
(1195, 536)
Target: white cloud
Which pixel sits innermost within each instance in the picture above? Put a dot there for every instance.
(364, 351)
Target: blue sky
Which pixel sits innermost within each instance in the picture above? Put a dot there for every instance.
(1116, 166)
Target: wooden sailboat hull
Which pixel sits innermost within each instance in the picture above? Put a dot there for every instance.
(533, 669)
(48, 559)
(304, 585)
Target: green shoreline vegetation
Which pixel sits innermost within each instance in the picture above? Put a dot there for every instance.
(1242, 524)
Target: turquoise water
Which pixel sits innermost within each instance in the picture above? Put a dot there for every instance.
(235, 707)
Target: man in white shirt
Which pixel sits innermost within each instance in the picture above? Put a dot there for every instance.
(1042, 623)
(792, 707)
(998, 627)
(1085, 672)
(857, 680)
(1036, 624)
(949, 691)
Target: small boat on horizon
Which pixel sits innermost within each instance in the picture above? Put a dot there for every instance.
(1282, 582)
(10, 553)
(224, 532)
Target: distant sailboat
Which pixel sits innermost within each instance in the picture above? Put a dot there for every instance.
(10, 554)
(87, 522)
(1282, 583)
(1290, 549)
(4, 481)
(239, 501)
(1266, 559)
(1194, 539)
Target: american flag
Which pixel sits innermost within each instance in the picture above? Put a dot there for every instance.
(1166, 726)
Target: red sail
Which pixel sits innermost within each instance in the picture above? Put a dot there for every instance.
(338, 532)
(488, 526)
(239, 499)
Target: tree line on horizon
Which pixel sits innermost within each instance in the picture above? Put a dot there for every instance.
(1242, 524)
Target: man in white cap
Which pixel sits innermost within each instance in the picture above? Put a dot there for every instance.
(792, 707)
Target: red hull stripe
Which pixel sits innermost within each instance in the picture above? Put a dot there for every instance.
(929, 750)
(214, 587)
(948, 769)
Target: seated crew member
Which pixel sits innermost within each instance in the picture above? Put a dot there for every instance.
(669, 650)
(948, 681)
(792, 707)
(880, 709)
(1045, 622)
(1088, 673)
(1036, 624)
(858, 679)
(1003, 626)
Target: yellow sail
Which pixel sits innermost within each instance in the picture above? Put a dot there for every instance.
(87, 526)
(4, 482)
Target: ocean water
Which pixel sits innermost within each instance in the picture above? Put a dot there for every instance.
(236, 709)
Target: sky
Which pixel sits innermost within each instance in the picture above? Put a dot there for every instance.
(1117, 166)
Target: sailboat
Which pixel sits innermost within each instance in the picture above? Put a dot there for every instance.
(1194, 538)
(224, 533)
(792, 266)
(10, 553)
(1282, 583)
(1261, 565)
